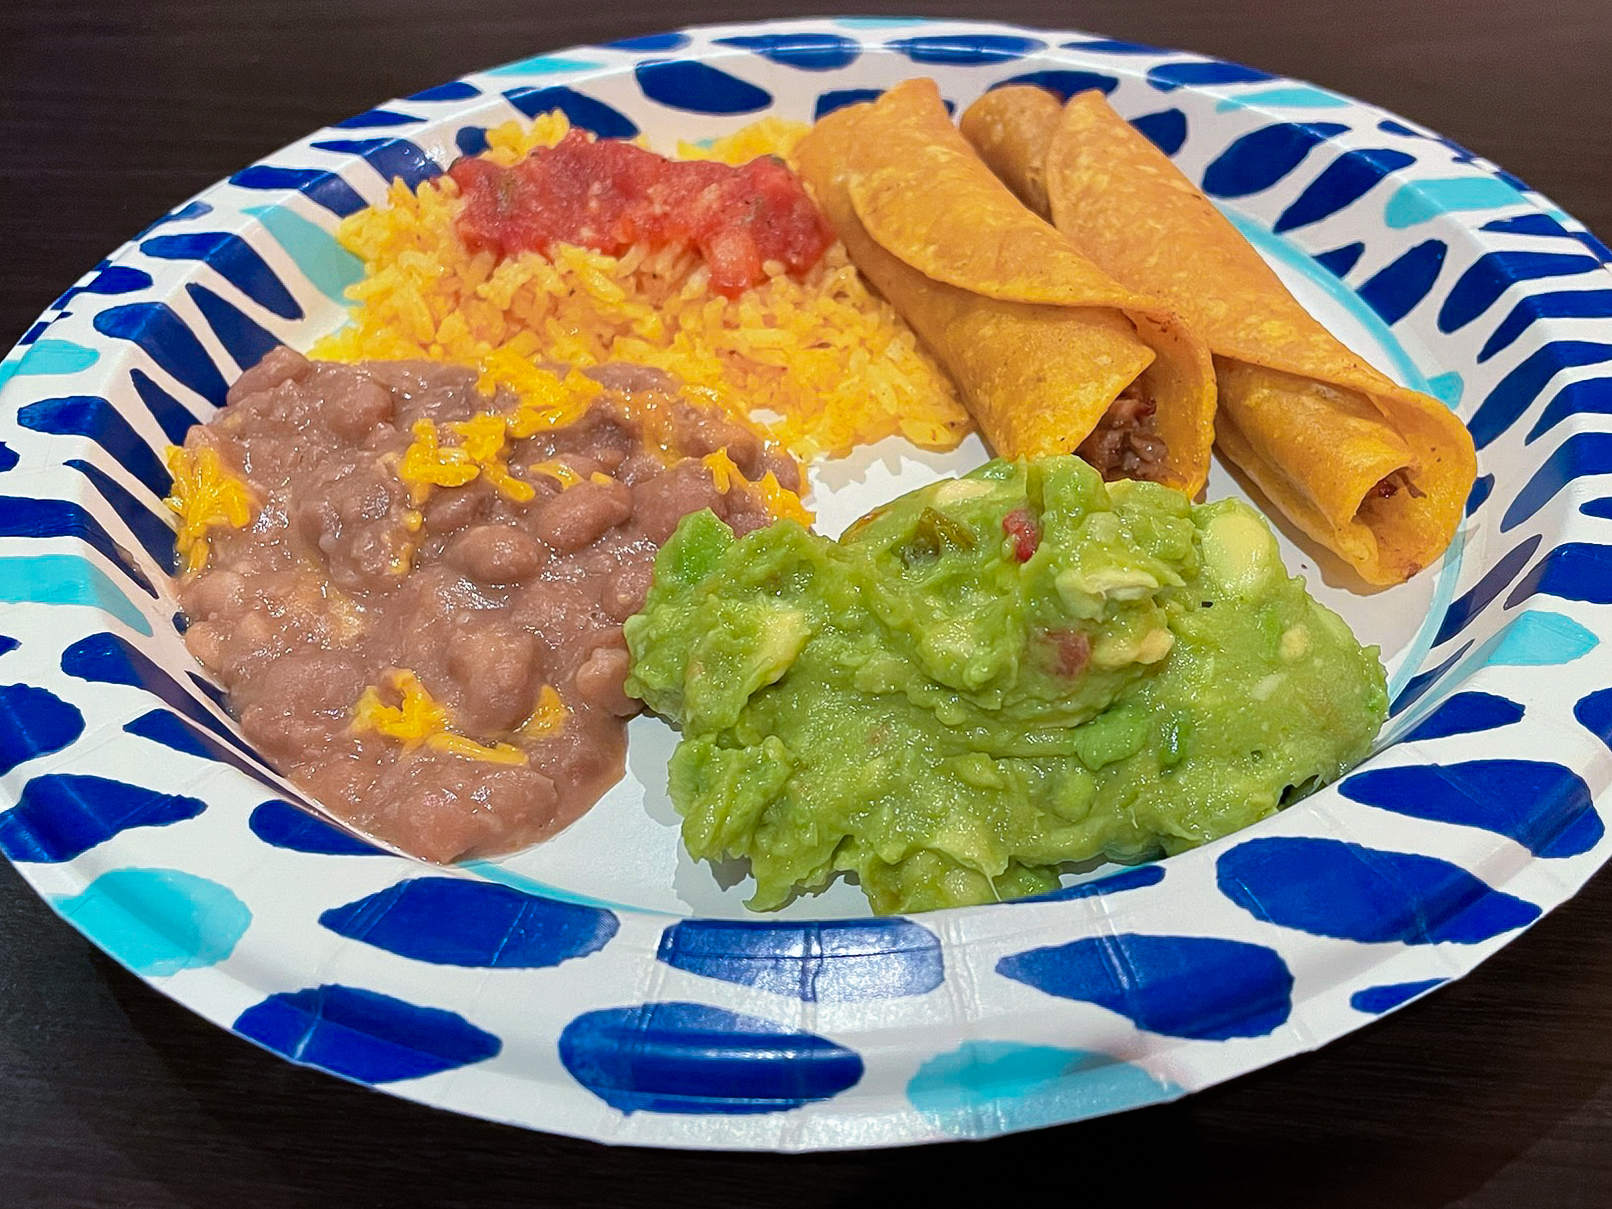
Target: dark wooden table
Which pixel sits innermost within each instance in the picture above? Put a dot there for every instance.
(1497, 1091)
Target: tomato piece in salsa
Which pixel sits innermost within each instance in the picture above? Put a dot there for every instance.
(607, 195)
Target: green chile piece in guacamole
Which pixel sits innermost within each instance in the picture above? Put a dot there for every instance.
(990, 678)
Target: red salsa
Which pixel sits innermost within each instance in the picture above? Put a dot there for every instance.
(608, 195)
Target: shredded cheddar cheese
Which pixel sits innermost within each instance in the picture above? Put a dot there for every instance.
(427, 463)
(414, 719)
(205, 495)
(559, 472)
(549, 716)
(483, 438)
(417, 718)
(778, 499)
(547, 401)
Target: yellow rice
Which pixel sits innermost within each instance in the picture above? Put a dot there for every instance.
(821, 364)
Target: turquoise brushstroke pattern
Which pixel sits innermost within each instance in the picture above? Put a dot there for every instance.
(1406, 370)
(49, 356)
(983, 1088)
(494, 872)
(158, 921)
(1296, 96)
(1447, 388)
(1541, 639)
(541, 65)
(1423, 201)
(66, 579)
(328, 266)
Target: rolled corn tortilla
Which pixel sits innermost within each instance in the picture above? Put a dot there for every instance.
(1050, 354)
(1375, 472)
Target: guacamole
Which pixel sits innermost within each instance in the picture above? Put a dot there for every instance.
(988, 679)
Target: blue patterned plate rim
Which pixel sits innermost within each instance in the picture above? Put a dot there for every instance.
(135, 811)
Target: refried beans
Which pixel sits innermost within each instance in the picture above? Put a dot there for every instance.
(417, 610)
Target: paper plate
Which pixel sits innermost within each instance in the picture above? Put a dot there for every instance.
(605, 986)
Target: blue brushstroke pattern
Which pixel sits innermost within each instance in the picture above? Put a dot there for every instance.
(245, 341)
(323, 188)
(1493, 273)
(1591, 396)
(153, 532)
(108, 659)
(1064, 83)
(8, 644)
(1339, 261)
(1571, 571)
(1594, 712)
(1481, 487)
(1394, 289)
(158, 922)
(1544, 807)
(22, 516)
(328, 266)
(1342, 182)
(1465, 714)
(67, 579)
(1577, 304)
(372, 118)
(61, 816)
(696, 87)
(1582, 454)
(363, 1035)
(839, 98)
(457, 922)
(818, 961)
(580, 109)
(108, 279)
(1112, 883)
(167, 728)
(983, 1088)
(282, 825)
(1416, 687)
(1169, 76)
(1331, 888)
(173, 417)
(1377, 1000)
(690, 1058)
(454, 90)
(94, 419)
(1518, 390)
(233, 259)
(1166, 129)
(1545, 224)
(1112, 46)
(965, 48)
(806, 51)
(1204, 988)
(671, 41)
(1601, 508)
(471, 140)
(34, 722)
(164, 337)
(1257, 160)
(392, 159)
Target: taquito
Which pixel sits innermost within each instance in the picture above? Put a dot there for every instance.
(1375, 472)
(1049, 353)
